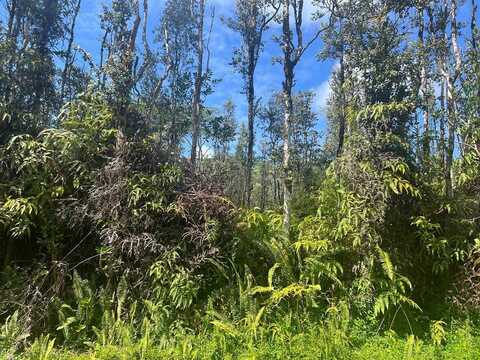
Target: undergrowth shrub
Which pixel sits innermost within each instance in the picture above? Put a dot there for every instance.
(105, 219)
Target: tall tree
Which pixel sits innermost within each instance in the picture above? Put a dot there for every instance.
(251, 20)
(121, 22)
(450, 81)
(220, 130)
(30, 40)
(271, 117)
(198, 14)
(68, 58)
(293, 47)
(305, 139)
(167, 88)
(424, 89)
(334, 47)
(474, 35)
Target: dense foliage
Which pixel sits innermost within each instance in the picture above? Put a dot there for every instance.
(116, 245)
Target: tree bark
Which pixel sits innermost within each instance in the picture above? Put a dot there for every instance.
(196, 106)
(251, 120)
(49, 12)
(473, 25)
(287, 98)
(264, 185)
(12, 35)
(424, 86)
(451, 138)
(441, 140)
(68, 53)
(451, 101)
(474, 31)
(252, 20)
(342, 125)
(12, 12)
(444, 102)
(133, 39)
(102, 50)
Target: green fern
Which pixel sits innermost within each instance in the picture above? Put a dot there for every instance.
(42, 348)
(386, 262)
(437, 332)
(12, 333)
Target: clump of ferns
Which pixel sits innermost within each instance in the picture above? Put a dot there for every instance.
(241, 317)
(302, 286)
(299, 268)
(392, 291)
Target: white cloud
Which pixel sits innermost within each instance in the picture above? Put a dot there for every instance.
(323, 91)
(322, 94)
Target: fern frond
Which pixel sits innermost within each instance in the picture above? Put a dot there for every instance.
(438, 332)
(293, 290)
(227, 328)
(410, 302)
(271, 274)
(386, 262)
(311, 245)
(382, 303)
(259, 315)
(318, 268)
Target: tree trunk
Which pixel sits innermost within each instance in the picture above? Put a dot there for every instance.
(441, 140)
(287, 98)
(451, 138)
(264, 187)
(12, 11)
(198, 87)
(276, 197)
(49, 12)
(102, 50)
(444, 99)
(251, 119)
(68, 53)
(473, 25)
(342, 125)
(12, 35)
(424, 86)
(474, 31)
(129, 56)
(451, 101)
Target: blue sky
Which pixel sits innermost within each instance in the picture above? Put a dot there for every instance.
(310, 74)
